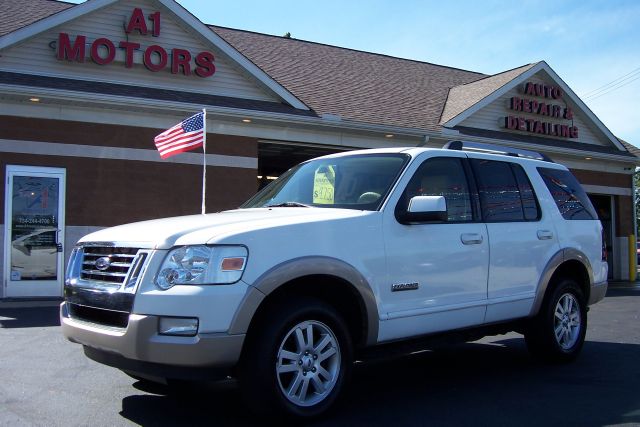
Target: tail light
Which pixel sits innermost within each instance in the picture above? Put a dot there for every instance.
(604, 247)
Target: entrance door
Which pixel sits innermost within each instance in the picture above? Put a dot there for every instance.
(34, 231)
(603, 206)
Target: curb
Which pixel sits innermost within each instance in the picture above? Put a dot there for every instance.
(30, 303)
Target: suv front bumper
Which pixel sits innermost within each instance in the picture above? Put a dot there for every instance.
(140, 348)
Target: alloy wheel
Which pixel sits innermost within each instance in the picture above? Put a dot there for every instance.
(308, 363)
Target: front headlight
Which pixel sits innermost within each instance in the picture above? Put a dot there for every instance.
(202, 265)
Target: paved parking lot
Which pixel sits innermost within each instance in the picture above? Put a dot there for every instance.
(45, 380)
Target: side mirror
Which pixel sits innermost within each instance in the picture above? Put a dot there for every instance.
(425, 209)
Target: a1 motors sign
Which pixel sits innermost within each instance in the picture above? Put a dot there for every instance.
(102, 50)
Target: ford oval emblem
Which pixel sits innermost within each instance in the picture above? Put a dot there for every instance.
(103, 263)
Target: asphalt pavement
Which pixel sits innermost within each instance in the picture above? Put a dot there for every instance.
(47, 381)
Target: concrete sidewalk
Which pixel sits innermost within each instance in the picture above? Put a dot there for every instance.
(624, 284)
(29, 302)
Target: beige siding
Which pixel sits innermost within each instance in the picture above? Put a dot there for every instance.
(35, 55)
(492, 116)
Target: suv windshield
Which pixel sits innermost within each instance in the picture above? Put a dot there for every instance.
(359, 181)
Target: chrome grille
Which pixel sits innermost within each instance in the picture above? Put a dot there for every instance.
(120, 261)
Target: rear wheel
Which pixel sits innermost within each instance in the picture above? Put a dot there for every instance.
(557, 333)
(299, 361)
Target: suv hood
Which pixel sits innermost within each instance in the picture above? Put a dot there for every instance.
(213, 228)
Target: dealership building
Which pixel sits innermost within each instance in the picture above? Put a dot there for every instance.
(85, 88)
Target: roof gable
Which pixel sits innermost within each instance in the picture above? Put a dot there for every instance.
(489, 110)
(463, 97)
(33, 49)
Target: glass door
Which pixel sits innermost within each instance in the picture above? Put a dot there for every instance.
(34, 231)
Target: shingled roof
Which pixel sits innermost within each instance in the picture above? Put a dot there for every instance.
(355, 85)
(20, 13)
(467, 95)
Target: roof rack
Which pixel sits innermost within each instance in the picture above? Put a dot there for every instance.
(495, 149)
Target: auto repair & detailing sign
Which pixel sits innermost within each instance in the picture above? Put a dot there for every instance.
(534, 111)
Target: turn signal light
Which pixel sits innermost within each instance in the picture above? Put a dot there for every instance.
(233, 264)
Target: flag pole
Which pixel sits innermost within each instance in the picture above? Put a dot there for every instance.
(204, 159)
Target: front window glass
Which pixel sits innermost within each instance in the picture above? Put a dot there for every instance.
(350, 182)
(442, 176)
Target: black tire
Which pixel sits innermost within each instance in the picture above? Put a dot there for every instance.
(556, 334)
(265, 376)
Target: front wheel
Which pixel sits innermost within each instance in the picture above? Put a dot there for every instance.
(557, 333)
(299, 361)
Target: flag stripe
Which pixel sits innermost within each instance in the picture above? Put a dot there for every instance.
(180, 143)
(168, 134)
(180, 138)
(184, 136)
(179, 149)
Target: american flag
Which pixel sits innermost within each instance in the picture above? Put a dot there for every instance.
(185, 136)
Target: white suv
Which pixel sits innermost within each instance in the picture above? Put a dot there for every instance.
(340, 254)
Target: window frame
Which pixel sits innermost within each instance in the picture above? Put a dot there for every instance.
(511, 166)
(403, 203)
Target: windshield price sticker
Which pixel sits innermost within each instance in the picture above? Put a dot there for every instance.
(324, 185)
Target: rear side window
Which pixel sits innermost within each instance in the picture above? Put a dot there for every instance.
(568, 194)
(505, 192)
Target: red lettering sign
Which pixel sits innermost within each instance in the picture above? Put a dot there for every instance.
(137, 22)
(108, 45)
(103, 51)
(204, 61)
(568, 113)
(68, 52)
(160, 53)
(129, 48)
(155, 18)
(180, 58)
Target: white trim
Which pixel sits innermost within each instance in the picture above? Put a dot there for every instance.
(606, 190)
(119, 153)
(549, 150)
(596, 166)
(181, 108)
(233, 54)
(540, 66)
(180, 12)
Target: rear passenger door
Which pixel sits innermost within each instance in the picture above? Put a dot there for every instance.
(521, 238)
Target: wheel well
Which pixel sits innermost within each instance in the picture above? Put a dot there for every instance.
(575, 270)
(332, 290)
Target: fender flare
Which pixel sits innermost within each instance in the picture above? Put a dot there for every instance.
(307, 266)
(560, 257)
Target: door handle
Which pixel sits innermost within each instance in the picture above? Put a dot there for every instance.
(545, 235)
(471, 238)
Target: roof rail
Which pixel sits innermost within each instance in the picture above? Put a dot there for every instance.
(495, 149)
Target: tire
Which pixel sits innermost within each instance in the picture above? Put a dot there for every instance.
(556, 334)
(298, 360)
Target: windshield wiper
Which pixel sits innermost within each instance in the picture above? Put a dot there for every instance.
(288, 205)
